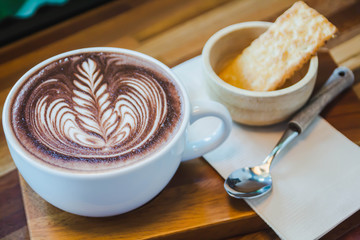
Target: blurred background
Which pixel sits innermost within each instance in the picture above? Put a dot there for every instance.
(19, 18)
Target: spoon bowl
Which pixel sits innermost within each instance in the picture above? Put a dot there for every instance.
(249, 182)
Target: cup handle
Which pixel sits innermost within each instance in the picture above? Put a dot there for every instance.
(201, 109)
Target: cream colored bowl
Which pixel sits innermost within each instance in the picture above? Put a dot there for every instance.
(253, 107)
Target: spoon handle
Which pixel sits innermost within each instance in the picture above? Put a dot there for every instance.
(339, 80)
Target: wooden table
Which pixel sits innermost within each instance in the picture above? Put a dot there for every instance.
(173, 31)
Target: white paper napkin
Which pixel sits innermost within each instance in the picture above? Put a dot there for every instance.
(316, 182)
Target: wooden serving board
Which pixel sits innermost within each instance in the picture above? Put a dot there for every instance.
(193, 204)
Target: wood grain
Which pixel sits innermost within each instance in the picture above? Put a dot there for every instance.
(171, 31)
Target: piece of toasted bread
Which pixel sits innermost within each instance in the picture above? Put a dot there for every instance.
(284, 48)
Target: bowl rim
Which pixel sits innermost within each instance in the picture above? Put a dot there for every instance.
(313, 65)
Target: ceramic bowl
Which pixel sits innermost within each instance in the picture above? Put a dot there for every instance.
(253, 107)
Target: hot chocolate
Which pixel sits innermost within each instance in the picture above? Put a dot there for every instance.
(96, 111)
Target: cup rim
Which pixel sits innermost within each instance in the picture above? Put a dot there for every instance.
(313, 65)
(56, 170)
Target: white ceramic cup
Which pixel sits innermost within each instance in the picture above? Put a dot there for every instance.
(116, 191)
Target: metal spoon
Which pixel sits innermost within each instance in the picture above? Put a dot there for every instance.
(251, 182)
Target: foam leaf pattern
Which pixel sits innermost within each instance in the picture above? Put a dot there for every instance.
(92, 104)
(90, 116)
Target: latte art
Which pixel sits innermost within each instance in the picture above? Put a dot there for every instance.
(94, 121)
(93, 112)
